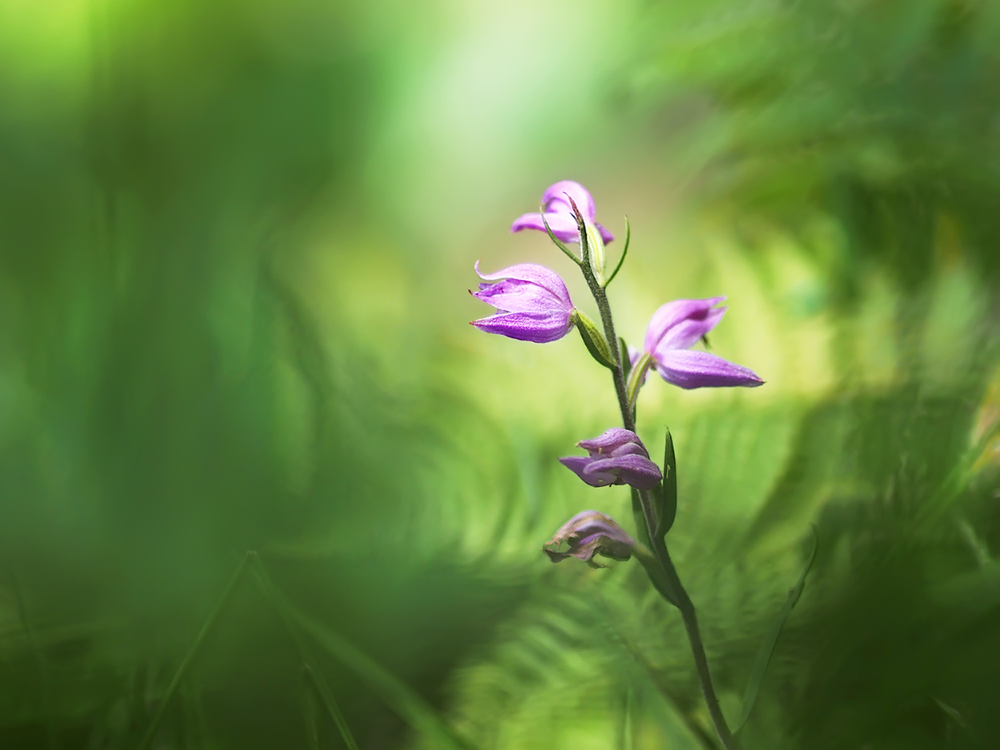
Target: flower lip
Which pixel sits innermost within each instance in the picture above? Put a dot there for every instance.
(532, 303)
(559, 215)
(693, 369)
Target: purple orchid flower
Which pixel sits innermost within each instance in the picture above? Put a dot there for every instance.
(559, 213)
(679, 325)
(532, 304)
(616, 457)
(587, 534)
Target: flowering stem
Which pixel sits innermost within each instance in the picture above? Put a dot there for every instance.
(618, 373)
(666, 581)
(686, 607)
(671, 589)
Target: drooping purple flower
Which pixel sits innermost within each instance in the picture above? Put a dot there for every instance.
(616, 457)
(676, 327)
(532, 303)
(587, 534)
(559, 212)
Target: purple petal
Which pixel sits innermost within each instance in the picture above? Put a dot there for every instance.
(583, 519)
(630, 449)
(601, 543)
(539, 329)
(679, 324)
(695, 369)
(609, 440)
(563, 225)
(559, 213)
(605, 234)
(687, 333)
(585, 548)
(534, 274)
(516, 296)
(554, 200)
(587, 534)
(578, 465)
(637, 471)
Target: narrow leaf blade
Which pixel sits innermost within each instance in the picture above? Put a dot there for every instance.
(668, 499)
(626, 362)
(628, 236)
(770, 640)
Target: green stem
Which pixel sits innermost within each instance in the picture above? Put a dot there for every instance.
(686, 607)
(618, 374)
(666, 581)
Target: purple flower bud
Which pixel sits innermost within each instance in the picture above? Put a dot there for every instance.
(616, 457)
(559, 213)
(587, 534)
(532, 304)
(679, 325)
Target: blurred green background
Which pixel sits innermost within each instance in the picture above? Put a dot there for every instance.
(235, 243)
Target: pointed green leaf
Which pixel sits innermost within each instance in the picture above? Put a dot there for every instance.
(405, 702)
(558, 243)
(770, 639)
(628, 236)
(626, 362)
(667, 510)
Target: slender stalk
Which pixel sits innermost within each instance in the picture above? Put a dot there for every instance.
(686, 607)
(666, 581)
(601, 297)
(618, 373)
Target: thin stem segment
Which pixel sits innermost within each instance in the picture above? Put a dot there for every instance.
(686, 607)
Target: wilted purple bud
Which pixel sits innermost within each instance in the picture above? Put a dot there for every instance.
(532, 304)
(559, 213)
(676, 327)
(616, 457)
(587, 534)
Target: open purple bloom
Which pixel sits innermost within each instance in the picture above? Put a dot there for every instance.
(616, 457)
(532, 304)
(676, 327)
(587, 534)
(559, 212)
